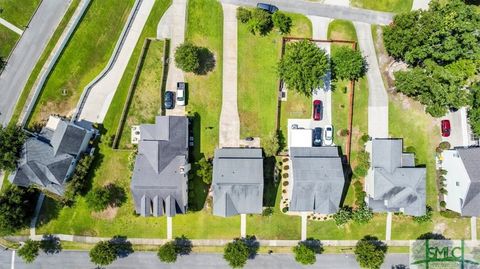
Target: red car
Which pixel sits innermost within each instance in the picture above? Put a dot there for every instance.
(317, 110)
(445, 128)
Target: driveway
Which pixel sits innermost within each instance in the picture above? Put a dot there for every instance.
(26, 54)
(229, 119)
(460, 130)
(323, 10)
(101, 94)
(149, 260)
(377, 95)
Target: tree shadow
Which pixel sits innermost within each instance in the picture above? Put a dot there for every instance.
(118, 195)
(270, 184)
(207, 61)
(252, 244)
(50, 244)
(314, 244)
(123, 247)
(183, 245)
(432, 236)
(50, 211)
(472, 2)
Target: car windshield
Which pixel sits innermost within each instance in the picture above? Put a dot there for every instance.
(180, 98)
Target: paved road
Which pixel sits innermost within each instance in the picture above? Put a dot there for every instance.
(323, 10)
(101, 94)
(27, 52)
(149, 260)
(377, 96)
(229, 119)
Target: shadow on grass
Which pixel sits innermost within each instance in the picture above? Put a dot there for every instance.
(270, 185)
(207, 61)
(198, 190)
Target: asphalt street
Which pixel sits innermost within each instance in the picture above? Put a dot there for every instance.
(149, 260)
(27, 53)
(323, 10)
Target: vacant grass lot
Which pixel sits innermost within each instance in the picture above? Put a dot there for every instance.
(18, 12)
(396, 6)
(41, 61)
(84, 57)
(147, 97)
(258, 79)
(8, 38)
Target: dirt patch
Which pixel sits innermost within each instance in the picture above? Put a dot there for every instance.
(107, 214)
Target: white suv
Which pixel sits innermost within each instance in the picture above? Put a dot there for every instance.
(328, 136)
(181, 93)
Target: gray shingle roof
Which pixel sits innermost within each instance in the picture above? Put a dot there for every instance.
(471, 160)
(159, 181)
(46, 163)
(318, 180)
(397, 182)
(237, 181)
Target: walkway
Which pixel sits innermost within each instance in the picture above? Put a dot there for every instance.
(377, 97)
(176, 20)
(388, 232)
(229, 119)
(100, 96)
(27, 52)
(420, 4)
(11, 26)
(473, 228)
(323, 10)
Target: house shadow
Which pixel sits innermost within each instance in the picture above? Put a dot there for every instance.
(271, 182)
(348, 174)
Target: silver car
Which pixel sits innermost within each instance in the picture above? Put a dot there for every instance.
(328, 135)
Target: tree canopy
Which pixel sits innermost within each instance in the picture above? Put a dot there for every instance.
(29, 251)
(260, 22)
(348, 63)
(12, 139)
(103, 253)
(303, 66)
(441, 47)
(304, 254)
(205, 170)
(187, 57)
(370, 252)
(282, 22)
(271, 144)
(15, 208)
(474, 110)
(236, 253)
(167, 252)
(101, 197)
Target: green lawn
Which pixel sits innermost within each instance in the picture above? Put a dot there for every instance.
(147, 97)
(41, 61)
(396, 6)
(327, 230)
(8, 38)
(18, 12)
(84, 57)
(258, 79)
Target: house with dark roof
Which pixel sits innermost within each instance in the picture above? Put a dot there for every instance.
(317, 179)
(160, 176)
(462, 180)
(237, 181)
(393, 183)
(49, 158)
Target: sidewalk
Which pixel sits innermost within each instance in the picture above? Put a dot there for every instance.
(11, 26)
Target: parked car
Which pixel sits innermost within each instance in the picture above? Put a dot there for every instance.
(317, 137)
(446, 128)
(317, 110)
(267, 7)
(249, 138)
(168, 100)
(181, 89)
(328, 135)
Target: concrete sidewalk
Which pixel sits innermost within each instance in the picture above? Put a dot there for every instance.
(377, 95)
(11, 26)
(101, 94)
(229, 118)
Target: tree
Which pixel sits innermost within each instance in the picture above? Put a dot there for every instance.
(50, 244)
(363, 214)
(12, 139)
(243, 14)
(271, 145)
(282, 22)
(304, 254)
(424, 218)
(348, 64)
(260, 22)
(205, 170)
(102, 197)
(15, 208)
(370, 252)
(79, 183)
(103, 253)
(187, 57)
(29, 251)
(474, 110)
(236, 253)
(303, 67)
(167, 252)
(343, 216)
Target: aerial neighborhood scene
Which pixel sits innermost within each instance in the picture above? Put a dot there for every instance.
(239, 134)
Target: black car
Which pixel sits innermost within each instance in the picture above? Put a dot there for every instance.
(168, 100)
(267, 7)
(317, 137)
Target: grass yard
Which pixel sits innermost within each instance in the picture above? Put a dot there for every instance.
(327, 230)
(258, 79)
(8, 38)
(18, 12)
(147, 98)
(396, 6)
(82, 60)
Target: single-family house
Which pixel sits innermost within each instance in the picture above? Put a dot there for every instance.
(160, 174)
(393, 182)
(237, 181)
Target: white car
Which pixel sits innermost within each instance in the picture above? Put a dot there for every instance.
(328, 135)
(181, 93)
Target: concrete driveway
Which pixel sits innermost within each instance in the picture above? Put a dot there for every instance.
(26, 54)
(460, 130)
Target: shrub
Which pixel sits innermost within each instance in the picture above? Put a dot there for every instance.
(205, 170)
(282, 22)
(285, 209)
(103, 253)
(443, 191)
(364, 138)
(370, 252)
(360, 197)
(29, 251)
(425, 218)
(285, 183)
(344, 132)
(443, 204)
(363, 214)
(343, 216)
(187, 57)
(260, 22)
(243, 14)
(79, 183)
(304, 254)
(444, 145)
(360, 171)
(236, 253)
(267, 212)
(286, 167)
(411, 149)
(450, 214)
(167, 253)
(271, 145)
